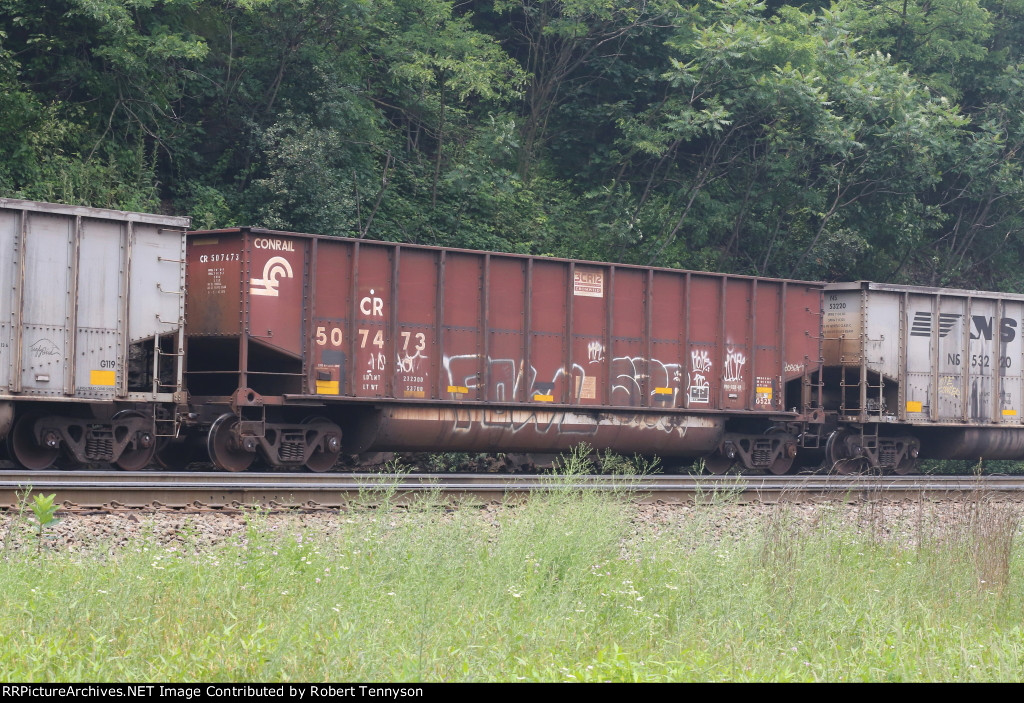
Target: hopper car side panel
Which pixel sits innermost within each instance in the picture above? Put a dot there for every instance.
(943, 365)
(91, 322)
(411, 347)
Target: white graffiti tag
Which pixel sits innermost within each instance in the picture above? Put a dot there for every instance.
(698, 387)
(734, 362)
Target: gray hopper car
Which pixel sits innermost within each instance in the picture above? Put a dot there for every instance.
(931, 371)
(91, 332)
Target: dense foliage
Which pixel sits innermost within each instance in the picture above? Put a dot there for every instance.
(875, 139)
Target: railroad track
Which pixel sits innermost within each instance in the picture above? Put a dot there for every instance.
(198, 491)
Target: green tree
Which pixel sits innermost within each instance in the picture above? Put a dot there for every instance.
(97, 89)
(781, 149)
(565, 46)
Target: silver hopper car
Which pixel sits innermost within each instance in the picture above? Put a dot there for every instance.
(91, 333)
(915, 371)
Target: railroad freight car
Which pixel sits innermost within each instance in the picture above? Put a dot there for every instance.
(91, 333)
(301, 347)
(922, 371)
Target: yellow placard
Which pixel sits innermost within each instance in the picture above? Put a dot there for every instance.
(458, 389)
(544, 398)
(915, 406)
(663, 391)
(1009, 411)
(327, 388)
(103, 378)
(765, 389)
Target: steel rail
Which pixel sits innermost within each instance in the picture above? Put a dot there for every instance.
(193, 490)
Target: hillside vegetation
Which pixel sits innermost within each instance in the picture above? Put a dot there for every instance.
(872, 139)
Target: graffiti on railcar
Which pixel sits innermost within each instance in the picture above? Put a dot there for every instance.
(949, 386)
(567, 422)
(631, 372)
(732, 375)
(698, 387)
(511, 379)
(44, 348)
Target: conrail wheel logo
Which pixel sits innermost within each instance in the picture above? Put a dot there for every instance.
(274, 270)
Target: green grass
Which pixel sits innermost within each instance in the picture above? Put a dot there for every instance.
(569, 586)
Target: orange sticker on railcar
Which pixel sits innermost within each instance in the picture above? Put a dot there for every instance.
(327, 387)
(103, 378)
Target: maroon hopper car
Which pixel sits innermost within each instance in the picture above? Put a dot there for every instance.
(301, 347)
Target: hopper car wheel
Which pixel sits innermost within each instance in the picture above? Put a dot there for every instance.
(836, 460)
(25, 450)
(907, 466)
(847, 467)
(782, 465)
(222, 444)
(175, 454)
(323, 460)
(138, 457)
(718, 463)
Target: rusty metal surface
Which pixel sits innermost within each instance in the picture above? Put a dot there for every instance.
(199, 491)
(330, 319)
(214, 286)
(465, 428)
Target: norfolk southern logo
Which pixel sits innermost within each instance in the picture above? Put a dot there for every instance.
(921, 326)
(274, 270)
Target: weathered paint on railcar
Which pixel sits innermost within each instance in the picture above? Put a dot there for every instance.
(499, 345)
(931, 358)
(519, 429)
(78, 286)
(91, 333)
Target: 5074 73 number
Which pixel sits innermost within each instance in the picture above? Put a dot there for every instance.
(334, 337)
